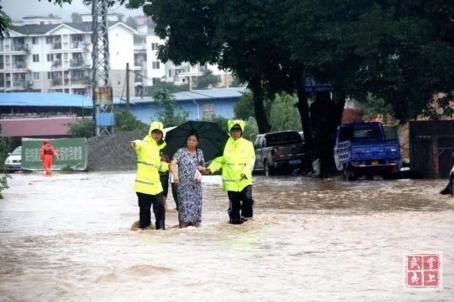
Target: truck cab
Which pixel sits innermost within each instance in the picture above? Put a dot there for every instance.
(367, 149)
(279, 150)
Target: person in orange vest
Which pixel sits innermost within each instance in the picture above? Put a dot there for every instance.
(47, 153)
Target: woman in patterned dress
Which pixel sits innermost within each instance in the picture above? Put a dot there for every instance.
(185, 170)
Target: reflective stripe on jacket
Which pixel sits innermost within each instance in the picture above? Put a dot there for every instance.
(148, 166)
(238, 158)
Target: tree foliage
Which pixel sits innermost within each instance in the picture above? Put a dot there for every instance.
(126, 121)
(76, 17)
(170, 114)
(82, 128)
(244, 108)
(208, 79)
(283, 115)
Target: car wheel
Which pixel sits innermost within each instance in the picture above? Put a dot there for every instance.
(268, 169)
(349, 174)
(451, 184)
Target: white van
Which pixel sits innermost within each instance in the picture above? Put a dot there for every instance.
(13, 161)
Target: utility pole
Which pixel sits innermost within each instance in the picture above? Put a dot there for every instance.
(102, 91)
(127, 86)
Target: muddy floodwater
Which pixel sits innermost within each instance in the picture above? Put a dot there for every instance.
(68, 238)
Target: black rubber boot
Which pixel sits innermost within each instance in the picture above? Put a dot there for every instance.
(161, 225)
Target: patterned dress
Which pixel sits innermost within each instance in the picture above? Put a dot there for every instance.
(189, 190)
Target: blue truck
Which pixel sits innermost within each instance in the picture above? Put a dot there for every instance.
(367, 149)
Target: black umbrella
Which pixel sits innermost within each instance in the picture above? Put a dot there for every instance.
(212, 138)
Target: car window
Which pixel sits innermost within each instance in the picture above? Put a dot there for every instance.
(283, 138)
(17, 151)
(367, 133)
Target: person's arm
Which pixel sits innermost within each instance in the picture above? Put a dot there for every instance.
(215, 165)
(136, 144)
(174, 171)
(55, 153)
(249, 167)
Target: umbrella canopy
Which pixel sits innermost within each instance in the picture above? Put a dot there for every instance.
(212, 138)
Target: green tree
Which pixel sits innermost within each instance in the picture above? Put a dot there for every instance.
(82, 128)
(170, 115)
(4, 147)
(244, 108)
(131, 22)
(170, 87)
(126, 121)
(76, 17)
(283, 115)
(220, 120)
(251, 130)
(208, 79)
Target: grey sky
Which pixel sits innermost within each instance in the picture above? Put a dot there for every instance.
(17, 9)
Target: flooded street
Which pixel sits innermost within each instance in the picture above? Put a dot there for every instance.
(69, 238)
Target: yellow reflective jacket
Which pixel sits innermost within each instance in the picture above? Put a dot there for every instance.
(149, 163)
(238, 158)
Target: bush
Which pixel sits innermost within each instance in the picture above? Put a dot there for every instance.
(3, 184)
(83, 128)
(126, 121)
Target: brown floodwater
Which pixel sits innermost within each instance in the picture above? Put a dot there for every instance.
(70, 237)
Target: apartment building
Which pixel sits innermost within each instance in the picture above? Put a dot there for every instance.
(43, 54)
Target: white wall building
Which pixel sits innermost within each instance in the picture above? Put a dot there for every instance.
(44, 54)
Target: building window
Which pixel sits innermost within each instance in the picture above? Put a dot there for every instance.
(154, 46)
(156, 81)
(35, 58)
(36, 76)
(156, 65)
(208, 109)
(48, 40)
(34, 40)
(49, 76)
(50, 57)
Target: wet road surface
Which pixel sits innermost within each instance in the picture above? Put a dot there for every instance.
(69, 238)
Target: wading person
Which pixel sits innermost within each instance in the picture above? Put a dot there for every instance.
(185, 170)
(237, 163)
(47, 153)
(147, 184)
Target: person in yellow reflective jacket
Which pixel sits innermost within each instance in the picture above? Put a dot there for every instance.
(237, 163)
(147, 184)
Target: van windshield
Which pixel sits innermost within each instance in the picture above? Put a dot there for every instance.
(17, 151)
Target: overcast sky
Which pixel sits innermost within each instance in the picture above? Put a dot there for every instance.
(17, 9)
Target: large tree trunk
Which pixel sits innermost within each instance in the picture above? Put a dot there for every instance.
(303, 108)
(259, 106)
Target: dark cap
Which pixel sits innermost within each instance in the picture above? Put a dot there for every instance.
(236, 127)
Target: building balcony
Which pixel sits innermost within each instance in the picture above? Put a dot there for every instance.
(56, 64)
(19, 65)
(56, 82)
(76, 63)
(19, 84)
(56, 46)
(80, 81)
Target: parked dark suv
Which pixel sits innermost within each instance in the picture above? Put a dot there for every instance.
(278, 151)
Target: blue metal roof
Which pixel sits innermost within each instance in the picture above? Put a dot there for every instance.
(197, 95)
(57, 99)
(38, 99)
